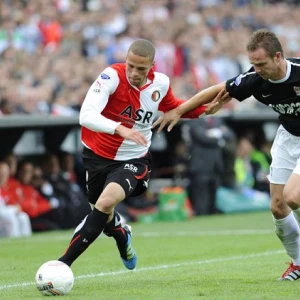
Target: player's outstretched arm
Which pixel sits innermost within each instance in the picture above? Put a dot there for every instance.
(214, 106)
(172, 117)
(131, 134)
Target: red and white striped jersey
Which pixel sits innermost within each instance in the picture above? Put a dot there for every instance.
(112, 100)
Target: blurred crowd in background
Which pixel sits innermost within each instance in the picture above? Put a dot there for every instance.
(41, 193)
(52, 50)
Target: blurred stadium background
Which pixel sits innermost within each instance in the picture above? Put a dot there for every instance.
(52, 50)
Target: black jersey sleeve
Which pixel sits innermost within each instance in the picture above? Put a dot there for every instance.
(241, 86)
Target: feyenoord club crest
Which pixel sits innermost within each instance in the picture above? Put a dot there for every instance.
(155, 96)
(297, 90)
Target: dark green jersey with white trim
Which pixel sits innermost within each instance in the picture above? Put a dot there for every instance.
(282, 95)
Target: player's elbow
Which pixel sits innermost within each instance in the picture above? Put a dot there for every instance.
(83, 118)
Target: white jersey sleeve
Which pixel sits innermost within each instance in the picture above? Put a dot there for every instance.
(95, 101)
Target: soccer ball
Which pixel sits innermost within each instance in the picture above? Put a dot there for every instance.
(54, 278)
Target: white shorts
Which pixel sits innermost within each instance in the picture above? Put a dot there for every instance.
(285, 153)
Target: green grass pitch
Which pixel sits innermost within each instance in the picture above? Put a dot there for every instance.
(217, 257)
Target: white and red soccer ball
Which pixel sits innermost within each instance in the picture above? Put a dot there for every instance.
(54, 278)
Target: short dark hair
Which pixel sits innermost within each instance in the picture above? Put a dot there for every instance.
(143, 48)
(266, 39)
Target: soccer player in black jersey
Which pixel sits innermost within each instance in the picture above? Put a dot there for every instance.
(274, 81)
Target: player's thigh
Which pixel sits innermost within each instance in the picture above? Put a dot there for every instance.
(95, 179)
(124, 179)
(291, 191)
(133, 178)
(112, 194)
(285, 152)
(119, 185)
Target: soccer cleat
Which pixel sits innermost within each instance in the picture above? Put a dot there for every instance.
(292, 273)
(127, 253)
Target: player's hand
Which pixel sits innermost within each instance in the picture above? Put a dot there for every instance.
(131, 134)
(171, 117)
(214, 106)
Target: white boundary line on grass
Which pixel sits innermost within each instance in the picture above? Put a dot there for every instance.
(66, 236)
(207, 233)
(153, 268)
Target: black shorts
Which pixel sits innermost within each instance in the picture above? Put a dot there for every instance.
(132, 175)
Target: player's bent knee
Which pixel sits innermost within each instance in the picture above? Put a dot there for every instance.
(292, 199)
(279, 208)
(106, 204)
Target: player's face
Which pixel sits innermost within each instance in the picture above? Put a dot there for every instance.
(265, 66)
(137, 69)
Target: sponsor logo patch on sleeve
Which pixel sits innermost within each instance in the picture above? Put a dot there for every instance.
(238, 80)
(104, 76)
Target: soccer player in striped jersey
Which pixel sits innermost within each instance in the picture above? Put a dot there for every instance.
(274, 81)
(116, 119)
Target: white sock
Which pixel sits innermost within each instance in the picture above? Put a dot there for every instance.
(296, 213)
(287, 230)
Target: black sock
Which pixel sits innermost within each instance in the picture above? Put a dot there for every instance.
(91, 229)
(115, 230)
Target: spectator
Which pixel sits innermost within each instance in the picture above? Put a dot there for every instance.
(33, 203)
(46, 189)
(38, 40)
(243, 169)
(12, 185)
(67, 163)
(13, 221)
(205, 164)
(251, 166)
(50, 28)
(261, 161)
(69, 193)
